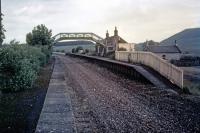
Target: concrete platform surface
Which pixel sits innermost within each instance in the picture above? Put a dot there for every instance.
(57, 115)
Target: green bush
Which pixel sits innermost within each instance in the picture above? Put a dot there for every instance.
(87, 51)
(73, 50)
(78, 48)
(47, 52)
(186, 90)
(19, 65)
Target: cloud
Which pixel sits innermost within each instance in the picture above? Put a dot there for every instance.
(30, 10)
(137, 20)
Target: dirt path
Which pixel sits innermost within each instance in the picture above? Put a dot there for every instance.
(105, 102)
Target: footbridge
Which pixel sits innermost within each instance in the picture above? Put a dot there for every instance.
(78, 36)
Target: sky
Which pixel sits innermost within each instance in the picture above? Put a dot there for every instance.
(136, 20)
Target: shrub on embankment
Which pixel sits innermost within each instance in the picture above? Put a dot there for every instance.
(19, 65)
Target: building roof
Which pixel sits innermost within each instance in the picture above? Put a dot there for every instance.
(120, 40)
(163, 49)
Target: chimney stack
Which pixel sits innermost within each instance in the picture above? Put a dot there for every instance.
(116, 31)
(107, 34)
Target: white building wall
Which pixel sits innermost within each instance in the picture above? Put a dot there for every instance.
(128, 46)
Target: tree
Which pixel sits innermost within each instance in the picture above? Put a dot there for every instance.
(87, 51)
(14, 42)
(2, 30)
(40, 35)
(29, 39)
(73, 50)
(151, 42)
(78, 48)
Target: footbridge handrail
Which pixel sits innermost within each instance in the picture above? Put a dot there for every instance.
(166, 69)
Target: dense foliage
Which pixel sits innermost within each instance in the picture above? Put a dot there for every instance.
(78, 48)
(74, 50)
(2, 30)
(40, 35)
(19, 65)
(87, 50)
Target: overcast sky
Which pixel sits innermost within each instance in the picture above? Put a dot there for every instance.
(137, 20)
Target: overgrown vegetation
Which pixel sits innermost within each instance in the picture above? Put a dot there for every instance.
(186, 90)
(74, 50)
(20, 63)
(87, 51)
(19, 112)
(78, 49)
(2, 30)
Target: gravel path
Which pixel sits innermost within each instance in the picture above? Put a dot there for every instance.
(105, 102)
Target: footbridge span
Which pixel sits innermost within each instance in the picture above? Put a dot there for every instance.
(78, 36)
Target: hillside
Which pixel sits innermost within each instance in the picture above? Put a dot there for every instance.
(73, 43)
(142, 46)
(69, 45)
(188, 40)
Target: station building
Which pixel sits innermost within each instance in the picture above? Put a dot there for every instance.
(113, 43)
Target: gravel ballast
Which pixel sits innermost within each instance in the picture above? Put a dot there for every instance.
(105, 102)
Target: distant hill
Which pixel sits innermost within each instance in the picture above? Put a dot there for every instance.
(73, 43)
(188, 41)
(142, 46)
(67, 46)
